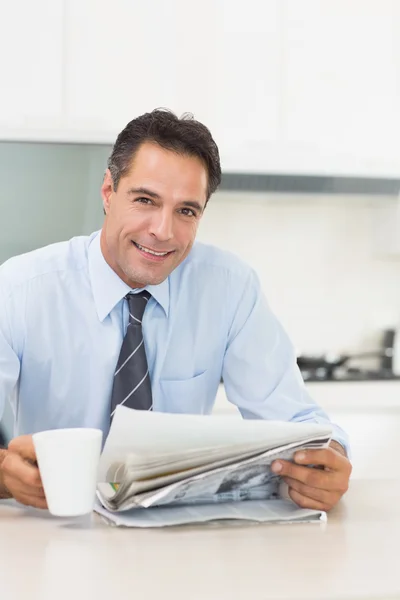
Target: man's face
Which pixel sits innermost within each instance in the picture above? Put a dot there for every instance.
(157, 207)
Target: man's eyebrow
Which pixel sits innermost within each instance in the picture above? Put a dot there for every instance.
(143, 190)
(186, 203)
(192, 204)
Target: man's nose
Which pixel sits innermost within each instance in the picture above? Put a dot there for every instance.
(161, 226)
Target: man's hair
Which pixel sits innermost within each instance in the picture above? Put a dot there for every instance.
(184, 135)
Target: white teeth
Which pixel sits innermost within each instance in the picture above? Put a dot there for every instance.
(151, 251)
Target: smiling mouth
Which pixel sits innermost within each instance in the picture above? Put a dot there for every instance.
(150, 252)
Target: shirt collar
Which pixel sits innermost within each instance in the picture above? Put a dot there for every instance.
(108, 289)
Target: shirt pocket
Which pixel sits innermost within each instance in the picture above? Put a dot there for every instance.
(187, 396)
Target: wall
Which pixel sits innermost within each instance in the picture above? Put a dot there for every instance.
(317, 261)
(49, 192)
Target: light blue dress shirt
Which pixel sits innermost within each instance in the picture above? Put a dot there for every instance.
(63, 318)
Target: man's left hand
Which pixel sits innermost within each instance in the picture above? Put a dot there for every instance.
(321, 486)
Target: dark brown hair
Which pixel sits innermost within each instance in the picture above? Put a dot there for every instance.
(182, 135)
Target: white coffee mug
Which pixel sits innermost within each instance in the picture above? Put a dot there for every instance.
(68, 462)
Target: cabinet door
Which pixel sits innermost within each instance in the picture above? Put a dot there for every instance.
(31, 50)
(247, 112)
(130, 57)
(342, 85)
(218, 59)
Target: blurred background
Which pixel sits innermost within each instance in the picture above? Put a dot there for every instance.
(302, 98)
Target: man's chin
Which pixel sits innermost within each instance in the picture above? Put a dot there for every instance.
(141, 279)
(151, 273)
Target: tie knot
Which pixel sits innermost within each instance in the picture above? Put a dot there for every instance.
(137, 304)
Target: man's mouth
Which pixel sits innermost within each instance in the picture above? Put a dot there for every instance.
(150, 252)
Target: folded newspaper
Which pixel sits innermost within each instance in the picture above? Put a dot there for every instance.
(161, 469)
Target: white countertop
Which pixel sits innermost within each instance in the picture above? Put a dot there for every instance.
(354, 555)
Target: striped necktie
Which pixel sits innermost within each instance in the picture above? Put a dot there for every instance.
(132, 386)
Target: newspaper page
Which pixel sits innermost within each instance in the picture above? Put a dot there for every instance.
(160, 444)
(273, 511)
(246, 479)
(128, 475)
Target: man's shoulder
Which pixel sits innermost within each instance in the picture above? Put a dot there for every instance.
(58, 257)
(208, 260)
(213, 277)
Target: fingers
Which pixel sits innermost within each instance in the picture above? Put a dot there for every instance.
(22, 489)
(312, 487)
(326, 457)
(314, 478)
(309, 494)
(23, 446)
(20, 474)
(305, 502)
(28, 500)
(16, 468)
(335, 475)
(334, 462)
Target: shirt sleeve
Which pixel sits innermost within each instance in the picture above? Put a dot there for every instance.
(260, 371)
(9, 361)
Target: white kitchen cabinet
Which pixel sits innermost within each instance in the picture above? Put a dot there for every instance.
(304, 87)
(290, 87)
(247, 91)
(342, 86)
(31, 67)
(218, 60)
(133, 57)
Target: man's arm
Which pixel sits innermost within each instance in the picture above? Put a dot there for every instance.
(9, 359)
(19, 477)
(261, 377)
(260, 371)
(12, 321)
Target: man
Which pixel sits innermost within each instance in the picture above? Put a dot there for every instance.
(137, 314)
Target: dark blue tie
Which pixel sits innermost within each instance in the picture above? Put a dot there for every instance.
(132, 386)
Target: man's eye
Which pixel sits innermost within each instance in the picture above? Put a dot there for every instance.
(143, 200)
(188, 212)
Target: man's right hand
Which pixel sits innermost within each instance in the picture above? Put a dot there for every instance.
(19, 473)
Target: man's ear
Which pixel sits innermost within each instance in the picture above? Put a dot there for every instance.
(107, 190)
